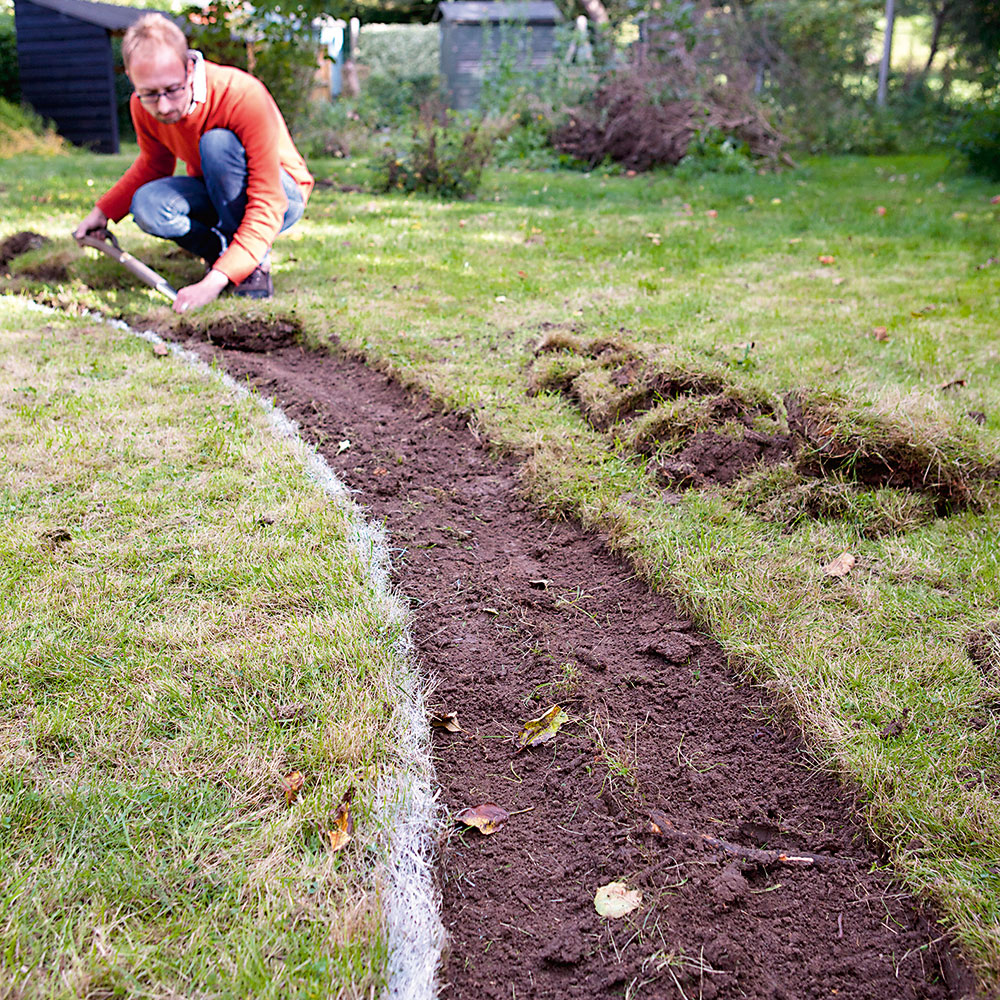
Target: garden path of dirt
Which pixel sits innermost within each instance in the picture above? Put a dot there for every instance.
(512, 614)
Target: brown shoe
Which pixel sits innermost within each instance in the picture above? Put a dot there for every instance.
(256, 285)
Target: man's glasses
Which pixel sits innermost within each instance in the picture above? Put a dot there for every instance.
(170, 93)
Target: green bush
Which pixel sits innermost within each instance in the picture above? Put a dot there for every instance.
(444, 160)
(10, 81)
(977, 140)
(23, 131)
(280, 53)
(400, 51)
(713, 152)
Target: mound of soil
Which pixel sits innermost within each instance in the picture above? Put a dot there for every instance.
(671, 775)
(20, 243)
(717, 458)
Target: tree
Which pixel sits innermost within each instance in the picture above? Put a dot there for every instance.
(883, 69)
(972, 28)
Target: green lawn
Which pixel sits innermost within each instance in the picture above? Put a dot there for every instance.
(186, 618)
(755, 286)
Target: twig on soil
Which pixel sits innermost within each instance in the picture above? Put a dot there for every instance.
(664, 827)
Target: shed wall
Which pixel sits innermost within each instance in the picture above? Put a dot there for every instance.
(67, 74)
(468, 50)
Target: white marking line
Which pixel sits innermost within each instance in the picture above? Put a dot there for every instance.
(406, 800)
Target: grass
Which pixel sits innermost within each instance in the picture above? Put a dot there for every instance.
(185, 618)
(455, 298)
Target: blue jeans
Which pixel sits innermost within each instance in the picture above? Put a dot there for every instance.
(201, 214)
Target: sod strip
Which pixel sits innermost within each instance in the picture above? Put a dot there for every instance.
(186, 619)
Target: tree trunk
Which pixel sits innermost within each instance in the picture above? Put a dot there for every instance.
(883, 70)
(595, 10)
(940, 16)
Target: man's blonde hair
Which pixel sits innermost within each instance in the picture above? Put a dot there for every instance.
(157, 31)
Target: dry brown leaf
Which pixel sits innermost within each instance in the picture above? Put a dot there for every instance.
(826, 258)
(542, 729)
(445, 720)
(616, 900)
(955, 382)
(880, 332)
(161, 350)
(840, 566)
(486, 818)
(292, 784)
(339, 833)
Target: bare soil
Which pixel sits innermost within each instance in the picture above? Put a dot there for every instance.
(672, 776)
(17, 244)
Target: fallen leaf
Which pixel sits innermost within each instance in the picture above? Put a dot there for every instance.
(161, 350)
(486, 818)
(615, 900)
(881, 210)
(775, 201)
(840, 566)
(995, 200)
(292, 784)
(542, 729)
(712, 213)
(838, 280)
(954, 383)
(826, 258)
(341, 828)
(445, 720)
(880, 332)
(343, 446)
(540, 584)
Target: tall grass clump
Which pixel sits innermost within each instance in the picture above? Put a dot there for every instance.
(22, 131)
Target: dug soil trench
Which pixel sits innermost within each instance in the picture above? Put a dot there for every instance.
(671, 775)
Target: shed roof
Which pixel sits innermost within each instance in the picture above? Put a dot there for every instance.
(104, 15)
(497, 11)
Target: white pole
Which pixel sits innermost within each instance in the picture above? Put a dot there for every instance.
(883, 70)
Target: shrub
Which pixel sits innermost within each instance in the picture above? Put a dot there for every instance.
(22, 131)
(280, 53)
(711, 151)
(400, 51)
(445, 158)
(977, 140)
(10, 82)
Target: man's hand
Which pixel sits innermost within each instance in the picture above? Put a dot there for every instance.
(96, 220)
(201, 293)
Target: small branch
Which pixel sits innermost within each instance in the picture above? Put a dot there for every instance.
(664, 827)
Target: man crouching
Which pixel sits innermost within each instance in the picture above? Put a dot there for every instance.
(246, 182)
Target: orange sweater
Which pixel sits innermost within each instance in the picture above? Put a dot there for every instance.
(239, 102)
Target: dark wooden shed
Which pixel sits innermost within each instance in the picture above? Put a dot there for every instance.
(66, 68)
(473, 32)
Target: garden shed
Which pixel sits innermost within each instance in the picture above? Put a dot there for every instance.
(476, 33)
(66, 66)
